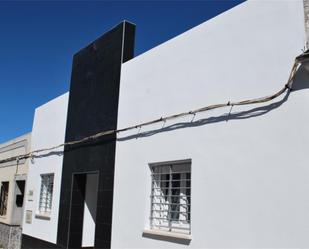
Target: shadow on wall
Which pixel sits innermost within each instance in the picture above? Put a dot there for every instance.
(91, 143)
(301, 81)
(167, 238)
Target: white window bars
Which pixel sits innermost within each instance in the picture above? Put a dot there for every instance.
(46, 193)
(171, 197)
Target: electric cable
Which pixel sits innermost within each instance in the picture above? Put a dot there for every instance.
(286, 87)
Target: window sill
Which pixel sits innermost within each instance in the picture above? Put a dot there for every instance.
(168, 236)
(42, 216)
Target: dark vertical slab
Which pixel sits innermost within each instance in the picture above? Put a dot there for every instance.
(93, 107)
(29, 242)
(77, 210)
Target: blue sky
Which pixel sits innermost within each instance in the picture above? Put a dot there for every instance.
(38, 40)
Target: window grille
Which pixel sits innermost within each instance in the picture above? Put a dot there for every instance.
(4, 195)
(46, 193)
(171, 197)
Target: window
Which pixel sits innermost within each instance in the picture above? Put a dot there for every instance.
(46, 193)
(171, 197)
(4, 195)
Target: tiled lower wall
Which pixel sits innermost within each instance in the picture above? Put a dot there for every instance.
(10, 236)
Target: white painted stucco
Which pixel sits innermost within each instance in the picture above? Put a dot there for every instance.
(48, 130)
(12, 171)
(250, 176)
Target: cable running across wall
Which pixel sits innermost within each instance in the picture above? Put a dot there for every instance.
(286, 87)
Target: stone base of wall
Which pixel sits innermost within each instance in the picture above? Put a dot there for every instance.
(10, 236)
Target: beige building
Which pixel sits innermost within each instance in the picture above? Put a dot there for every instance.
(13, 177)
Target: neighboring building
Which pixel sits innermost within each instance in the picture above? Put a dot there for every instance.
(236, 177)
(13, 176)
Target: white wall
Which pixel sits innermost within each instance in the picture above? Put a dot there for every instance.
(90, 210)
(249, 176)
(48, 130)
(9, 172)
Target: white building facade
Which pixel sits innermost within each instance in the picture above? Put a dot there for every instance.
(48, 129)
(13, 177)
(249, 165)
(233, 177)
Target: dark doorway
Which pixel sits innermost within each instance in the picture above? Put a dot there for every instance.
(20, 192)
(83, 210)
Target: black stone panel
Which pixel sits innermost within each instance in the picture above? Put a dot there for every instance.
(93, 107)
(77, 210)
(128, 50)
(29, 242)
(102, 244)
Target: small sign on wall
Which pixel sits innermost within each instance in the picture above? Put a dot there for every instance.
(28, 216)
(30, 195)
